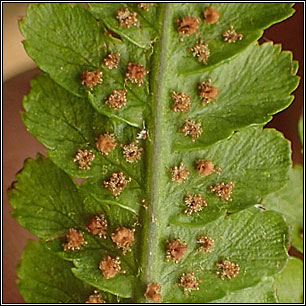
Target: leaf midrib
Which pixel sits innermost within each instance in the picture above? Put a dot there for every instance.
(155, 150)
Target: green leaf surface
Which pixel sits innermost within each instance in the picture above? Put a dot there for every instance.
(248, 159)
(59, 45)
(65, 123)
(86, 270)
(56, 204)
(45, 199)
(73, 52)
(285, 287)
(264, 232)
(263, 292)
(289, 202)
(86, 263)
(289, 282)
(254, 82)
(240, 238)
(142, 35)
(138, 98)
(253, 18)
(46, 278)
(301, 132)
(245, 97)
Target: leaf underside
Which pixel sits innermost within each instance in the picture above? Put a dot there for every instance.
(289, 202)
(46, 278)
(236, 235)
(289, 283)
(254, 82)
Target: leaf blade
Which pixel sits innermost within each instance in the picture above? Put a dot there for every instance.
(289, 282)
(289, 202)
(255, 165)
(158, 50)
(45, 278)
(62, 36)
(52, 205)
(239, 238)
(245, 98)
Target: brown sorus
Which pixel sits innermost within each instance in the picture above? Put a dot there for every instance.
(98, 226)
(206, 243)
(223, 190)
(201, 51)
(211, 15)
(189, 282)
(116, 183)
(75, 240)
(175, 250)
(91, 78)
(231, 35)
(207, 92)
(117, 99)
(106, 143)
(179, 174)
(84, 158)
(187, 25)
(132, 152)
(135, 73)
(194, 202)
(153, 292)
(145, 6)
(95, 298)
(192, 128)
(181, 102)
(206, 167)
(126, 18)
(112, 60)
(123, 238)
(227, 269)
(110, 266)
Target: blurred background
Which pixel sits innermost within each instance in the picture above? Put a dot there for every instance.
(18, 144)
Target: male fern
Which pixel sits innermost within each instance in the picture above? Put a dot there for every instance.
(113, 78)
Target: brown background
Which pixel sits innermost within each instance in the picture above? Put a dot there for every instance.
(18, 144)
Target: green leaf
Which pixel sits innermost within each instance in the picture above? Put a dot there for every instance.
(289, 282)
(86, 270)
(55, 204)
(240, 238)
(230, 244)
(86, 261)
(72, 47)
(263, 292)
(142, 35)
(137, 97)
(285, 287)
(235, 236)
(253, 19)
(245, 97)
(45, 199)
(65, 123)
(45, 278)
(289, 202)
(254, 82)
(248, 159)
(71, 51)
(59, 45)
